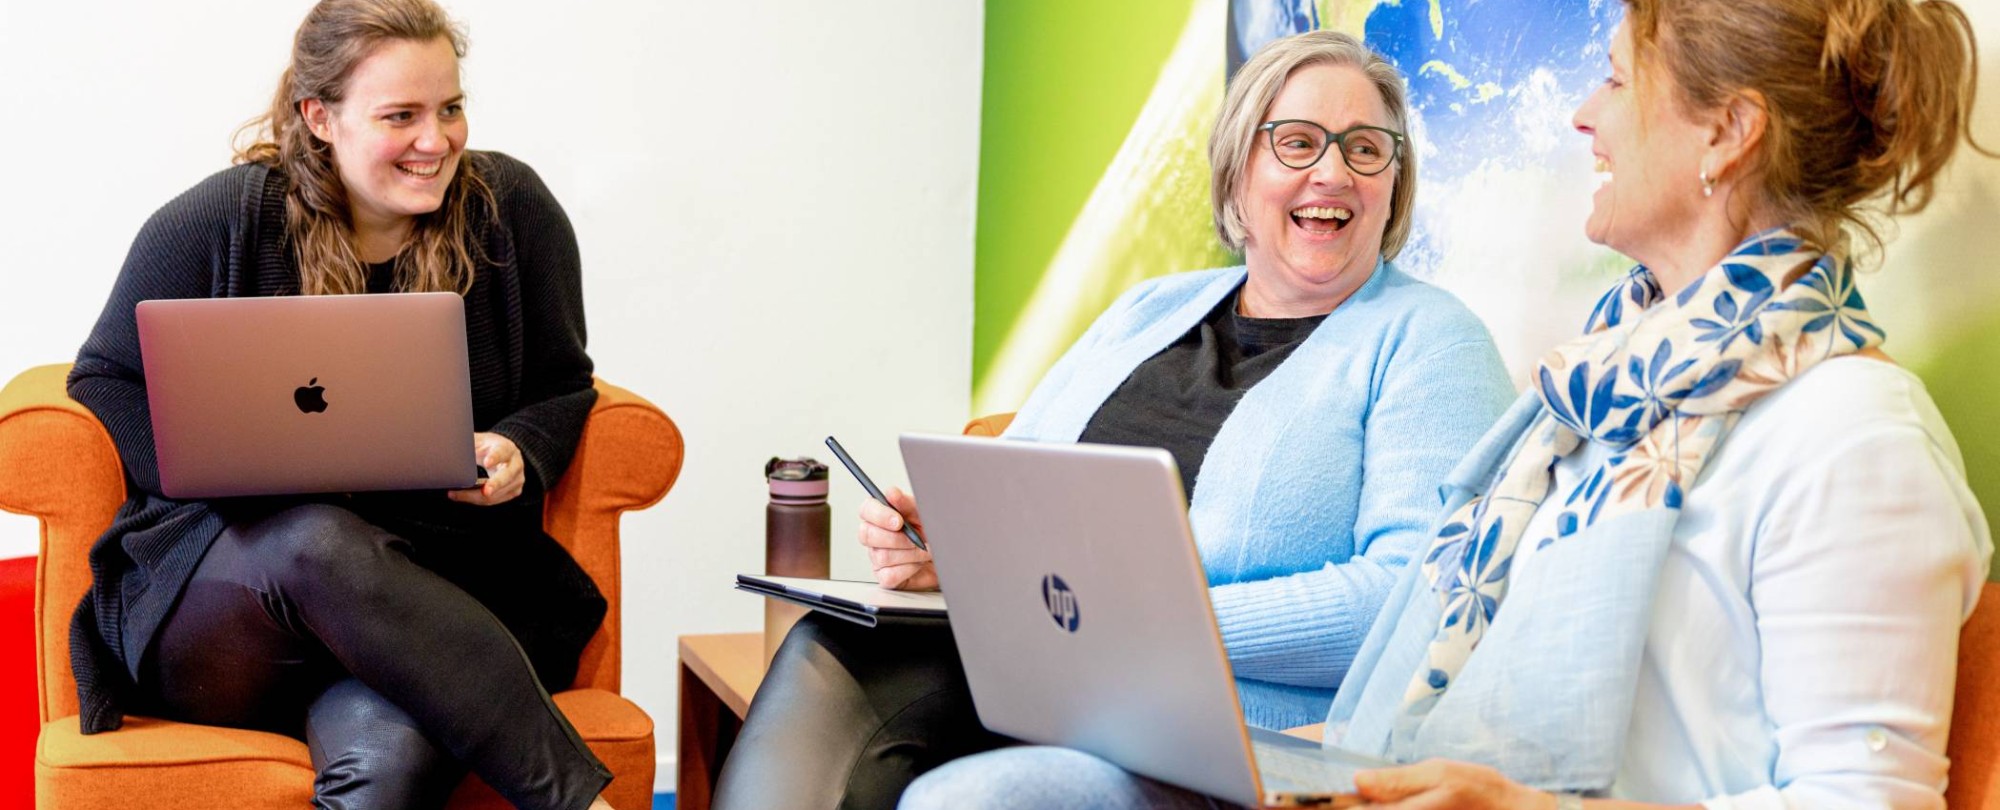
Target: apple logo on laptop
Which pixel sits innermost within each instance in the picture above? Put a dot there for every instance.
(311, 397)
(1061, 602)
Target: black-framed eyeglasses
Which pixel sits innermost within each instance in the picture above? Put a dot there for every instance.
(1300, 144)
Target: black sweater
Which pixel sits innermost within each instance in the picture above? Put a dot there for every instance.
(1178, 399)
(531, 382)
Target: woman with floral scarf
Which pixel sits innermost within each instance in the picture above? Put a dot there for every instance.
(1719, 553)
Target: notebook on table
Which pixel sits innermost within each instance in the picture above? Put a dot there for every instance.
(863, 603)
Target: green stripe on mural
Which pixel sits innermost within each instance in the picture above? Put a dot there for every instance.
(1963, 376)
(1064, 82)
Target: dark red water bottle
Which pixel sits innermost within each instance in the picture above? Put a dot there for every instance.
(797, 536)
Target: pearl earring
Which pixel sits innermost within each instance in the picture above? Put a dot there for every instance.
(1707, 184)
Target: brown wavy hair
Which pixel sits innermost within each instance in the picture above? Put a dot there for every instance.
(336, 36)
(1865, 100)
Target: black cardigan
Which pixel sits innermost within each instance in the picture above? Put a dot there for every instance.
(531, 382)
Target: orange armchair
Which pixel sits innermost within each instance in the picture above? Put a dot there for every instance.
(1975, 718)
(58, 465)
(992, 425)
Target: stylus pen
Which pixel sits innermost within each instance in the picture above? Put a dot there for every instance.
(873, 491)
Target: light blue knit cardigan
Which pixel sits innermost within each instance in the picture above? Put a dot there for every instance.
(1323, 483)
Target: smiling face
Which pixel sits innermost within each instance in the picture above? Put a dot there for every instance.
(397, 135)
(1649, 157)
(1312, 236)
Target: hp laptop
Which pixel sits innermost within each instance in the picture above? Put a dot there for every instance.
(1081, 611)
(301, 394)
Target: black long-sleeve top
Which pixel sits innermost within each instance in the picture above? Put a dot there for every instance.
(531, 382)
(1178, 399)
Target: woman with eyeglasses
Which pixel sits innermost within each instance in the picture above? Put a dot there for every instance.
(1719, 555)
(1311, 399)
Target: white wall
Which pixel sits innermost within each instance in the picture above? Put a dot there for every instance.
(774, 202)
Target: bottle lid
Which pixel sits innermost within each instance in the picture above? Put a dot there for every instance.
(796, 477)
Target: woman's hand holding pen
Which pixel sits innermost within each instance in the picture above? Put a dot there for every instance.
(898, 564)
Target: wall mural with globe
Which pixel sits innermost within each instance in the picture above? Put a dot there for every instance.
(1093, 175)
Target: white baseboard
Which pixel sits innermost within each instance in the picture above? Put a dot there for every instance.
(665, 778)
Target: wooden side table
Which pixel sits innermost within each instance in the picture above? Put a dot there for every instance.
(719, 674)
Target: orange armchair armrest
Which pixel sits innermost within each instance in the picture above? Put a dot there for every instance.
(992, 425)
(58, 465)
(628, 458)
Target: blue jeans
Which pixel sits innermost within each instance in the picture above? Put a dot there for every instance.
(1045, 778)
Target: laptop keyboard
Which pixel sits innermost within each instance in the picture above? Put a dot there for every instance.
(1306, 768)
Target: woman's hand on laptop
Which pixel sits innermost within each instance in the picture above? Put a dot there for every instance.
(505, 475)
(898, 564)
(1444, 783)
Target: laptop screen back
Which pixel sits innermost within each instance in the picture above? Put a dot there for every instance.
(302, 394)
(1080, 606)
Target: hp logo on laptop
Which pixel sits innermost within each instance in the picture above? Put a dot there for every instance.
(1061, 602)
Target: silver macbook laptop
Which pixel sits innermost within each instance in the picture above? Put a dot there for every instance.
(301, 394)
(1081, 612)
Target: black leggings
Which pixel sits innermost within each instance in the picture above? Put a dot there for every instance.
(315, 623)
(848, 716)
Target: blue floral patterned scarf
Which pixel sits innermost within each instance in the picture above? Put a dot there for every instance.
(1659, 382)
